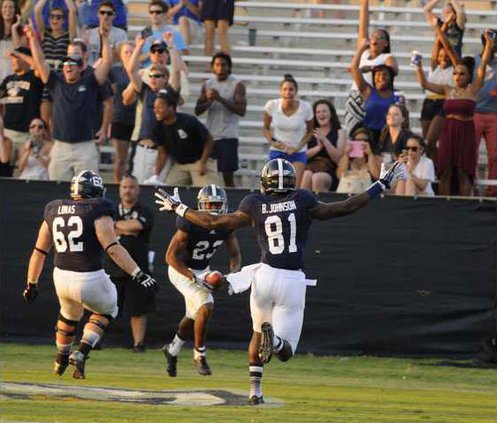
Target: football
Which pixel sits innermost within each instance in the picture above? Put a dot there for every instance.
(214, 278)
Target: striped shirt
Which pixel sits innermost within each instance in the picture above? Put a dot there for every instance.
(54, 49)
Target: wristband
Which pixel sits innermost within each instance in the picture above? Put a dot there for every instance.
(376, 189)
(135, 272)
(32, 282)
(181, 210)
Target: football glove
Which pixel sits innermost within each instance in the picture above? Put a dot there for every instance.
(146, 282)
(396, 172)
(153, 180)
(30, 292)
(170, 203)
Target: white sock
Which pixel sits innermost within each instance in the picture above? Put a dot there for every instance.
(175, 345)
(255, 375)
(199, 352)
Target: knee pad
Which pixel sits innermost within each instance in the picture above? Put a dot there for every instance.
(97, 322)
(72, 323)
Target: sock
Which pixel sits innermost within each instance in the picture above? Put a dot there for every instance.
(199, 352)
(84, 348)
(255, 375)
(63, 349)
(175, 345)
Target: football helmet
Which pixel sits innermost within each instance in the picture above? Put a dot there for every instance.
(87, 184)
(212, 199)
(278, 176)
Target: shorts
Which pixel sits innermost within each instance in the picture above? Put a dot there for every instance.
(225, 151)
(296, 157)
(132, 297)
(432, 108)
(77, 291)
(218, 10)
(121, 131)
(195, 296)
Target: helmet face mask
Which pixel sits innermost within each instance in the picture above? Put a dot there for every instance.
(212, 199)
(87, 184)
(278, 176)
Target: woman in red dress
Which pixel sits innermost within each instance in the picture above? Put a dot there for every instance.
(457, 145)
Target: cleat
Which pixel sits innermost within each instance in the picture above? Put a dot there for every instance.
(255, 400)
(60, 368)
(139, 348)
(77, 359)
(171, 361)
(266, 347)
(202, 366)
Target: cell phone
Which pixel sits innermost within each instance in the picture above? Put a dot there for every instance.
(146, 32)
(492, 34)
(357, 149)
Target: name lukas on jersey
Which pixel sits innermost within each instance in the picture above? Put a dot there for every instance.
(279, 207)
(66, 210)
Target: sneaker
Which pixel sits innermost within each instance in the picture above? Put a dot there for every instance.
(202, 366)
(77, 359)
(171, 361)
(139, 348)
(60, 367)
(255, 400)
(266, 347)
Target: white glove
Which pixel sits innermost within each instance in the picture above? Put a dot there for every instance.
(153, 180)
(397, 172)
(170, 203)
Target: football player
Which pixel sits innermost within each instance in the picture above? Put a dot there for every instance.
(281, 215)
(81, 229)
(188, 256)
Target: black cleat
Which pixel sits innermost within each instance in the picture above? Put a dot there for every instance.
(171, 361)
(202, 366)
(77, 359)
(60, 364)
(139, 348)
(266, 347)
(255, 400)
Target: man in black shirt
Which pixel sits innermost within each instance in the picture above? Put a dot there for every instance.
(133, 226)
(81, 229)
(186, 140)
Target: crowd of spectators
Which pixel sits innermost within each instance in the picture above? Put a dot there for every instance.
(72, 79)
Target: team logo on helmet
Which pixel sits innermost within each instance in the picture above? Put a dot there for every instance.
(277, 176)
(87, 184)
(212, 199)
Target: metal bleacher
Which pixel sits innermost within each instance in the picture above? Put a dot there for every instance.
(289, 38)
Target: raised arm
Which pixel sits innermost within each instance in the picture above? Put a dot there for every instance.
(361, 83)
(460, 13)
(40, 65)
(363, 21)
(38, 12)
(103, 68)
(428, 9)
(479, 80)
(454, 57)
(176, 61)
(133, 67)
(72, 18)
(427, 85)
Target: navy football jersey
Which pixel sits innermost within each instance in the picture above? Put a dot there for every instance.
(282, 223)
(202, 243)
(72, 226)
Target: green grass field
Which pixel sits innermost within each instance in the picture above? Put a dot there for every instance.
(306, 389)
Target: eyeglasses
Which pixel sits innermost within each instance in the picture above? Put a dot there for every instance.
(39, 126)
(156, 75)
(106, 12)
(413, 148)
(57, 17)
(157, 50)
(156, 12)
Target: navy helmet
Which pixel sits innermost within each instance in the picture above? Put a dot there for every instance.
(87, 184)
(278, 176)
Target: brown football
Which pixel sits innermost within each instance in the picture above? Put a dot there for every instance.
(214, 278)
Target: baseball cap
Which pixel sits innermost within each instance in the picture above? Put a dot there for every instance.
(73, 60)
(158, 45)
(168, 94)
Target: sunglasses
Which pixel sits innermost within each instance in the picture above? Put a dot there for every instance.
(156, 12)
(57, 17)
(414, 148)
(156, 75)
(39, 126)
(106, 12)
(68, 63)
(157, 50)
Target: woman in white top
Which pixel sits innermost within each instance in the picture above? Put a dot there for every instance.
(35, 153)
(420, 169)
(291, 122)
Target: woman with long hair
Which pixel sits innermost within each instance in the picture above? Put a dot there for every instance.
(288, 126)
(357, 171)
(10, 33)
(377, 96)
(325, 149)
(457, 146)
(35, 153)
(378, 53)
(123, 117)
(420, 169)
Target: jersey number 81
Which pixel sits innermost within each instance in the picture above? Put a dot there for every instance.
(274, 232)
